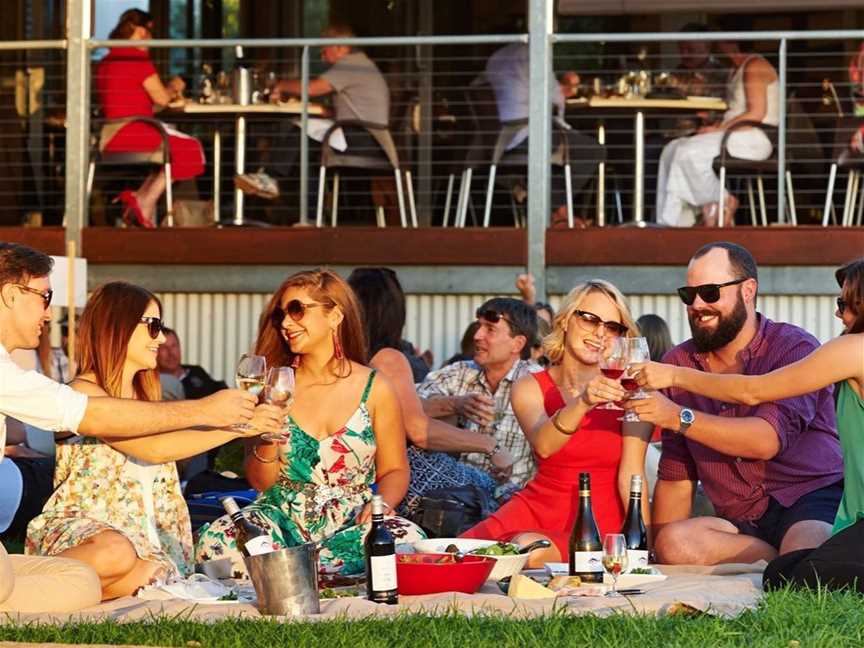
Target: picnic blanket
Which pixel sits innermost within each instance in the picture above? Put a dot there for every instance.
(723, 590)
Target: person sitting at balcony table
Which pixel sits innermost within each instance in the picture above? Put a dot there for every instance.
(836, 563)
(383, 303)
(128, 85)
(25, 297)
(508, 73)
(344, 434)
(117, 505)
(359, 92)
(477, 392)
(774, 472)
(568, 434)
(686, 181)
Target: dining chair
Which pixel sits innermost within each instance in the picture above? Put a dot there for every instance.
(161, 157)
(388, 159)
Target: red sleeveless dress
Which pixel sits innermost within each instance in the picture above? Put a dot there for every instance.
(549, 502)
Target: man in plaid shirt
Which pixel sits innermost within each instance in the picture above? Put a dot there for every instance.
(477, 392)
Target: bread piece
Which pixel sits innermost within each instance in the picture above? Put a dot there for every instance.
(561, 582)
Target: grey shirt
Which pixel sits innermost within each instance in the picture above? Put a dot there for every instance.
(361, 91)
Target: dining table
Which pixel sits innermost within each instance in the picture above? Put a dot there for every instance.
(638, 107)
(240, 113)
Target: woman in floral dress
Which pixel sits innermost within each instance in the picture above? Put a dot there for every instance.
(345, 433)
(117, 504)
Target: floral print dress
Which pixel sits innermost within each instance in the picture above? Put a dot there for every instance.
(98, 488)
(322, 487)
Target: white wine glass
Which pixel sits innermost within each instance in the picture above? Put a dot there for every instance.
(637, 352)
(279, 391)
(613, 361)
(249, 376)
(614, 557)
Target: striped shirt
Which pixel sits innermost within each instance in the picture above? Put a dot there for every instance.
(468, 377)
(809, 456)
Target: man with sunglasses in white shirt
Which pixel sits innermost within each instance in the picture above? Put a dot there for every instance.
(772, 471)
(29, 397)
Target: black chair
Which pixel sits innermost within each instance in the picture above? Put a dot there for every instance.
(726, 163)
(161, 157)
(388, 159)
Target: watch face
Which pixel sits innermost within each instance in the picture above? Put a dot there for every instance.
(687, 416)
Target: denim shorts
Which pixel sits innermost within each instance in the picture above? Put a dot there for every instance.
(820, 505)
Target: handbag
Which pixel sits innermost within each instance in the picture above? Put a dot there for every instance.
(449, 512)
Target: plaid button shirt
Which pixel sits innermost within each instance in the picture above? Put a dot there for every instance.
(461, 378)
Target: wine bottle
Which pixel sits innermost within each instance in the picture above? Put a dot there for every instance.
(252, 540)
(634, 528)
(381, 586)
(586, 550)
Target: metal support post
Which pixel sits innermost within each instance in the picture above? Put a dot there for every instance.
(304, 140)
(539, 137)
(78, 21)
(781, 136)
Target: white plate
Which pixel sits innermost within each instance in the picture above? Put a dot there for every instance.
(624, 580)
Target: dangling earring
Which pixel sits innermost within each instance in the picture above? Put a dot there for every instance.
(338, 352)
(295, 362)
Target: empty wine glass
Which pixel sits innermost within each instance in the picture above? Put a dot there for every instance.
(279, 391)
(612, 364)
(249, 376)
(614, 557)
(637, 352)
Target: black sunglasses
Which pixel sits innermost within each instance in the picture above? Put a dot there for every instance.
(709, 293)
(295, 309)
(154, 326)
(493, 317)
(46, 295)
(591, 322)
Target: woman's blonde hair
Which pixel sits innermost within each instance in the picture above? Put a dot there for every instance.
(555, 343)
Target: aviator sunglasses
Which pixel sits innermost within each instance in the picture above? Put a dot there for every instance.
(709, 293)
(46, 295)
(295, 309)
(154, 326)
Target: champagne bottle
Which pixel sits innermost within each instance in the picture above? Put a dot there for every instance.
(252, 540)
(586, 550)
(381, 586)
(634, 528)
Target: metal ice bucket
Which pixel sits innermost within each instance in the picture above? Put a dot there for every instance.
(286, 581)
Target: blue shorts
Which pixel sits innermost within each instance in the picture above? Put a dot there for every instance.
(820, 505)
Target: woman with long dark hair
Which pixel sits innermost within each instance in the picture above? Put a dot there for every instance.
(117, 504)
(840, 362)
(128, 85)
(383, 302)
(345, 433)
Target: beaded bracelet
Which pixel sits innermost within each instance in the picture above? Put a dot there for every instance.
(558, 426)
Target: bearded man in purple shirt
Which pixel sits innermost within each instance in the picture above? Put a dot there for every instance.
(774, 471)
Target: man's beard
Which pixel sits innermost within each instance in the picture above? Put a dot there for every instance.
(728, 327)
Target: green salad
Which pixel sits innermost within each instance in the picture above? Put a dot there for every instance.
(497, 549)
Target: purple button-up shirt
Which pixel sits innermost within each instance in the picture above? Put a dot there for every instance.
(809, 456)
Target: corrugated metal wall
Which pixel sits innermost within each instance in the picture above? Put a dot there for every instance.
(215, 328)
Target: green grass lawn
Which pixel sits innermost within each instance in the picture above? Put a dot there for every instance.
(785, 619)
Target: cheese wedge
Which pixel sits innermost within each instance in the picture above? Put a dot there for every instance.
(527, 588)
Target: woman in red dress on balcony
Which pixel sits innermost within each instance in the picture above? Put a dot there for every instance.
(569, 434)
(129, 86)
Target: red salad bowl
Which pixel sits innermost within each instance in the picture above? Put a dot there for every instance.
(425, 573)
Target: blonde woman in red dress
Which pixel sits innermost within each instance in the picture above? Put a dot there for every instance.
(557, 411)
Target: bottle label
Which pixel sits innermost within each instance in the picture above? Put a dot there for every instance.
(260, 545)
(587, 561)
(637, 559)
(383, 573)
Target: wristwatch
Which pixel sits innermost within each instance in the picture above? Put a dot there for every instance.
(494, 450)
(685, 420)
